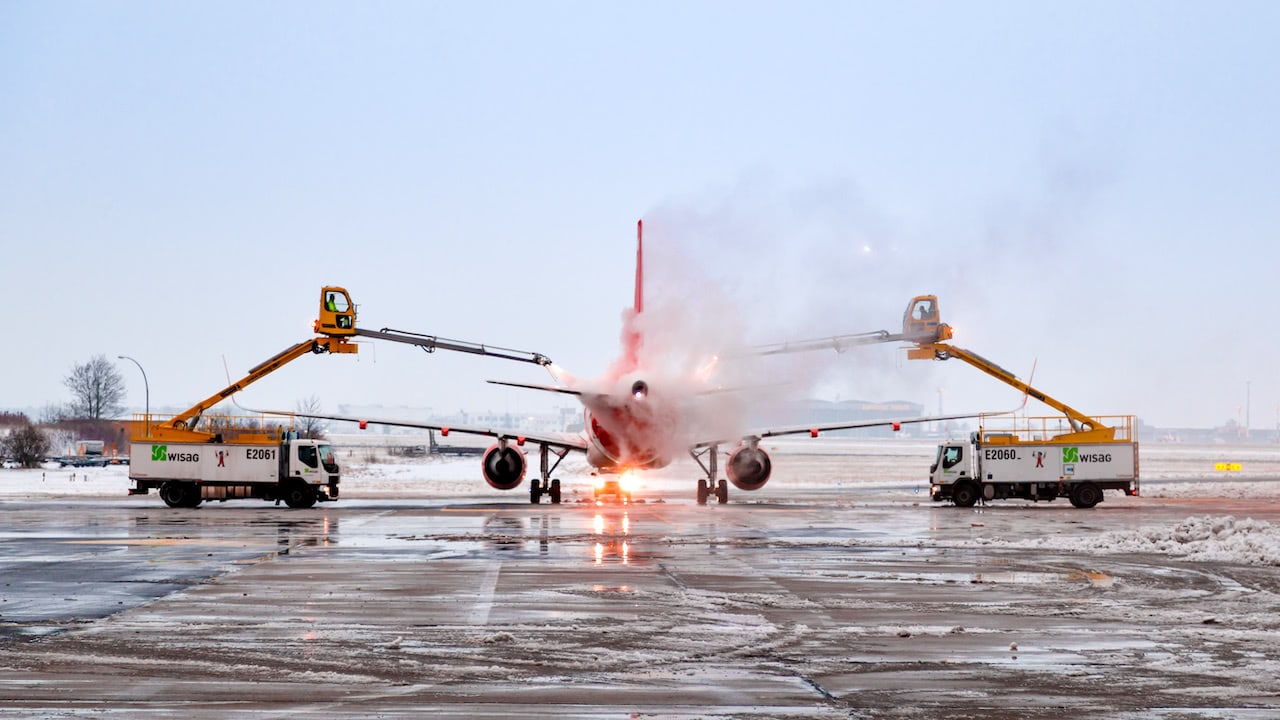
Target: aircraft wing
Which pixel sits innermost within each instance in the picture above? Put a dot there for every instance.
(544, 388)
(568, 441)
(814, 429)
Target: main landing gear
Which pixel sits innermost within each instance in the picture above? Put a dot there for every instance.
(544, 484)
(708, 486)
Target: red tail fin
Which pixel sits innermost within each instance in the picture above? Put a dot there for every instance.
(639, 307)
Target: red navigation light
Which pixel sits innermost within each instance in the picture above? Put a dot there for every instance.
(897, 426)
(444, 431)
(364, 424)
(813, 432)
(520, 440)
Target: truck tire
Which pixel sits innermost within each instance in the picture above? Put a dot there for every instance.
(1086, 495)
(965, 493)
(176, 494)
(722, 492)
(703, 491)
(299, 495)
(555, 491)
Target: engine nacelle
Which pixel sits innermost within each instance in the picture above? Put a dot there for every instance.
(749, 468)
(504, 467)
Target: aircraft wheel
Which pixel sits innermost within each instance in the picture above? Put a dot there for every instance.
(964, 493)
(555, 491)
(1086, 495)
(702, 491)
(535, 491)
(299, 495)
(722, 492)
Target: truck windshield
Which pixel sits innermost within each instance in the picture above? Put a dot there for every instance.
(328, 459)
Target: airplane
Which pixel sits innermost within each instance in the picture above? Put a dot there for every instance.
(636, 418)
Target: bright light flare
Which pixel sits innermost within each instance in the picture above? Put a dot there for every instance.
(627, 481)
(598, 524)
(707, 368)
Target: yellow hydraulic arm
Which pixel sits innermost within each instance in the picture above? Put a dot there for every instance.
(1087, 429)
(189, 417)
(336, 328)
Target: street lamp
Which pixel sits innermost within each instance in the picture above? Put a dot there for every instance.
(1247, 387)
(146, 388)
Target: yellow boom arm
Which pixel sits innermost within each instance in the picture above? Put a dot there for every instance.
(1087, 429)
(188, 418)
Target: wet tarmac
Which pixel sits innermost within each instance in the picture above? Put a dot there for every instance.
(818, 606)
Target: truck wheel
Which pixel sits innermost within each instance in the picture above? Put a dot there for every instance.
(173, 493)
(1086, 495)
(722, 492)
(702, 491)
(299, 495)
(193, 498)
(555, 491)
(535, 491)
(964, 493)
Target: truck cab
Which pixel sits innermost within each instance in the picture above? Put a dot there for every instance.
(922, 321)
(308, 472)
(950, 466)
(337, 312)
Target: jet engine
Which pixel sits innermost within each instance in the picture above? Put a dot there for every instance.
(749, 468)
(504, 467)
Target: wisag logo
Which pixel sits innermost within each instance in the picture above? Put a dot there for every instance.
(1072, 455)
(160, 453)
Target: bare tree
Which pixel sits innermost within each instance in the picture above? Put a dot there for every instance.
(54, 413)
(27, 445)
(96, 389)
(309, 427)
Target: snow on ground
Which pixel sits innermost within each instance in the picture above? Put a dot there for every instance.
(1207, 539)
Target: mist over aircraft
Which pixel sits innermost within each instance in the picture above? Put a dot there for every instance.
(648, 407)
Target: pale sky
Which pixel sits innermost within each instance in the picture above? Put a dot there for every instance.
(1089, 187)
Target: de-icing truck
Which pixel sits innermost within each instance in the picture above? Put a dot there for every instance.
(192, 457)
(1035, 459)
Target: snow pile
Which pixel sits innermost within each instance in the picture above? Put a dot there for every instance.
(1203, 539)
(1207, 538)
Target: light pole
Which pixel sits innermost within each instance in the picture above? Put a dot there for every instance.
(146, 388)
(1247, 387)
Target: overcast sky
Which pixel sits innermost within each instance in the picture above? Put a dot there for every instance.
(1089, 187)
